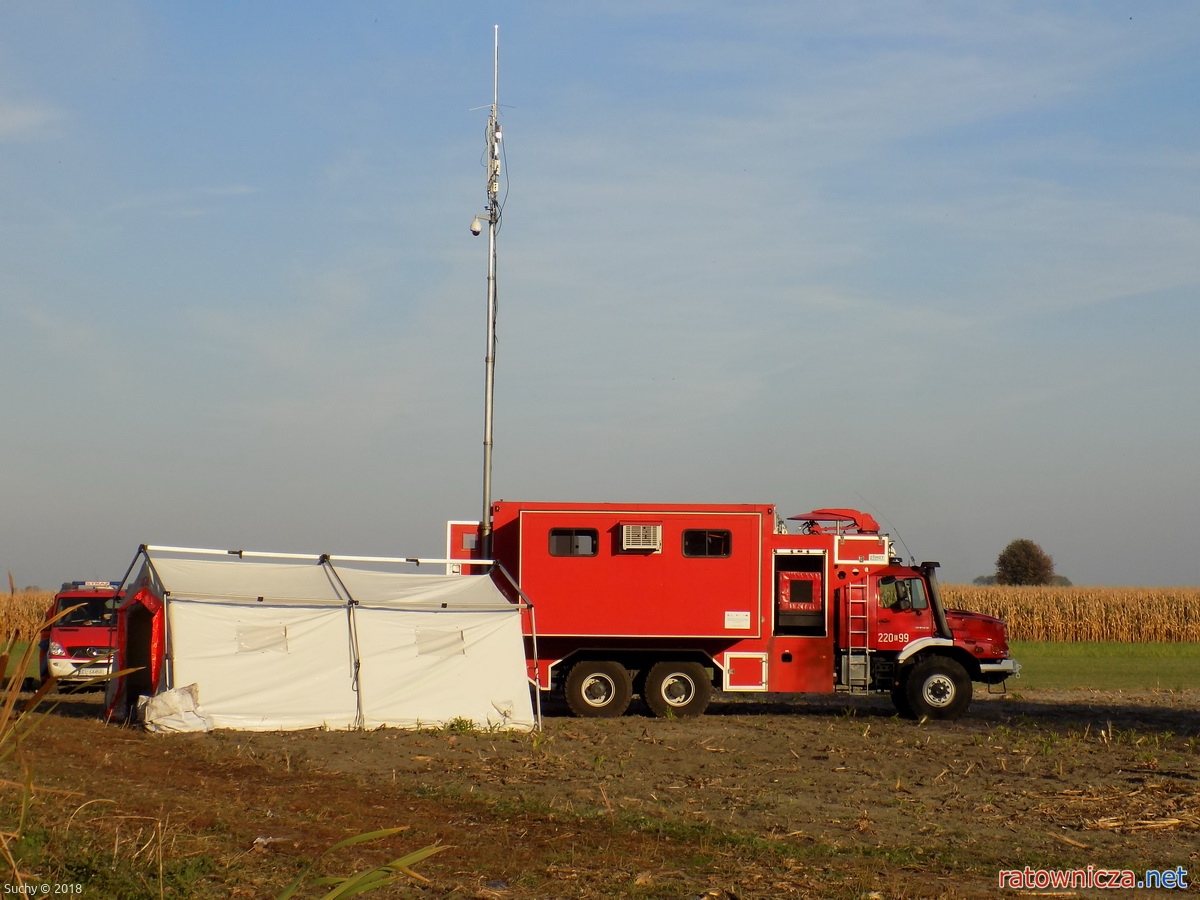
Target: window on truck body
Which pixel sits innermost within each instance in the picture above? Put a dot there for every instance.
(801, 591)
(706, 542)
(574, 541)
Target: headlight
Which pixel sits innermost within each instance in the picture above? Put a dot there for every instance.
(56, 649)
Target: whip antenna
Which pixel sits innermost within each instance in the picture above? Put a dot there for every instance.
(912, 559)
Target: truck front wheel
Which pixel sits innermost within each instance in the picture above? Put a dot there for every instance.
(680, 689)
(938, 688)
(900, 699)
(599, 689)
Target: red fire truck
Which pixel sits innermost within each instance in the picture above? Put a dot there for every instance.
(674, 601)
(78, 646)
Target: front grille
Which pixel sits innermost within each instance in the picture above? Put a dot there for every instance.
(89, 653)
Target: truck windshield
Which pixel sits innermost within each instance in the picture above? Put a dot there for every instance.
(909, 593)
(93, 611)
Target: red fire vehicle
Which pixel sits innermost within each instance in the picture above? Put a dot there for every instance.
(79, 645)
(674, 601)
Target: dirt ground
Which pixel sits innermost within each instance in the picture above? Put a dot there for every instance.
(808, 797)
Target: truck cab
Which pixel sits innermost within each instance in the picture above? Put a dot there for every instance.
(926, 655)
(889, 631)
(77, 640)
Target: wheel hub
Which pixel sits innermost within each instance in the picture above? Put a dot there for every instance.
(678, 689)
(938, 691)
(598, 690)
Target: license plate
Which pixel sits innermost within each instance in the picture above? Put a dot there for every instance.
(88, 671)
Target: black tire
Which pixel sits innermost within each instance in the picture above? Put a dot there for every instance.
(599, 689)
(938, 688)
(900, 698)
(677, 689)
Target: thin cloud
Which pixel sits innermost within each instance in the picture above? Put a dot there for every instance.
(27, 122)
(182, 201)
(56, 332)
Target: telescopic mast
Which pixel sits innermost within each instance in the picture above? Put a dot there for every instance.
(491, 216)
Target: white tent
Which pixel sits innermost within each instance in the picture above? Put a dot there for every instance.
(316, 642)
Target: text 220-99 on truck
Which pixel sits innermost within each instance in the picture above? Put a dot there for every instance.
(674, 601)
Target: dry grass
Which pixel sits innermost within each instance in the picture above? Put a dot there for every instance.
(21, 613)
(1133, 615)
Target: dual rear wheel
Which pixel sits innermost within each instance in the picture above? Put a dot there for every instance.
(603, 689)
(599, 689)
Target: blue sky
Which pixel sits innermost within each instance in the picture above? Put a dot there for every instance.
(936, 260)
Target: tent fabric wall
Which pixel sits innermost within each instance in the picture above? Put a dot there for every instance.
(454, 661)
(230, 578)
(302, 679)
(283, 646)
(386, 591)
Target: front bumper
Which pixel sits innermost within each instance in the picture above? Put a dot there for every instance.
(66, 669)
(996, 672)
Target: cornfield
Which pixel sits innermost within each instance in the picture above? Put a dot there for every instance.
(21, 613)
(1131, 615)
(1134, 615)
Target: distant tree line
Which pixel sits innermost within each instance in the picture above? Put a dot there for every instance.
(28, 589)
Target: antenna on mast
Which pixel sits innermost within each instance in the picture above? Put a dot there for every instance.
(491, 216)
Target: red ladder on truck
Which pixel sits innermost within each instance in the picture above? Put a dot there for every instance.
(858, 655)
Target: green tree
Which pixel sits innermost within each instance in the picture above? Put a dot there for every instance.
(1024, 562)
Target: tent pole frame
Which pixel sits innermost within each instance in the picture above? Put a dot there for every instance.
(312, 557)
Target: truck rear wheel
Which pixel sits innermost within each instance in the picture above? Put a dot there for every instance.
(938, 688)
(680, 689)
(599, 689)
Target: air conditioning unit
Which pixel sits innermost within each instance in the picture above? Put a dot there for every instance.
(641, 537)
